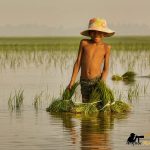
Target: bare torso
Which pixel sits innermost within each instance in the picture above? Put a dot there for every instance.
(92, 59)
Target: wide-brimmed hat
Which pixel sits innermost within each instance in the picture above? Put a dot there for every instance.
(98, 24)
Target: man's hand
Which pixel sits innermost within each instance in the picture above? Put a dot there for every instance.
(103, 80)
(69, 86)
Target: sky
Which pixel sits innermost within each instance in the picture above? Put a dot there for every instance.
(71, 14)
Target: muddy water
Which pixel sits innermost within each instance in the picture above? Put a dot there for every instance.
(47, 73)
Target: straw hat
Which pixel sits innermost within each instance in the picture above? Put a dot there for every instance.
(98, 24)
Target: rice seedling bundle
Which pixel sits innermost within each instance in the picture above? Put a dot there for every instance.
(117, 77)
(101, 100)
(59, 105)
(64, 103)
(119, 107)
(128, 76)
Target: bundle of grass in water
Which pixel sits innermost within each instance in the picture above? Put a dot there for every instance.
(59, 105)
(119, 107)
(107, 101)
(67, 94)
(128, 76)
(101, 100)
(65, 103)
(101, 95)
(85, 108)
(117, 77)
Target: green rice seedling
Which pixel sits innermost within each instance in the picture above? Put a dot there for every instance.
(11, 102)
(106, 99)
(16, 101)
(146, 87)
(38, 100)
(65, 103)
(133, 92)
(101, 100)
(86, 108)
(105, 93)
(67, 94)
(119, 107)
(59, 105)
(128, 76)
(117, 77)
(119, 94)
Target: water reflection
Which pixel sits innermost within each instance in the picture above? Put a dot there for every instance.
(92, 132)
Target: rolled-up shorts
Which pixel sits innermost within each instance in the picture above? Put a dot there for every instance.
(87, 85)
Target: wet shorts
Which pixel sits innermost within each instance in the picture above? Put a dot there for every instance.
(86, 87)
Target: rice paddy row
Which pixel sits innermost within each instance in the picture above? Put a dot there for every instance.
(133, 92)
(71, 43)
(138, 61)
(58, 51)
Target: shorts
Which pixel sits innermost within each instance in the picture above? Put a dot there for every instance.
(87, 85)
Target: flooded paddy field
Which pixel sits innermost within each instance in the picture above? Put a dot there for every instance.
(34, 70)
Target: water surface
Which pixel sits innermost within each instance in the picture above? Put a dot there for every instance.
(48, 72)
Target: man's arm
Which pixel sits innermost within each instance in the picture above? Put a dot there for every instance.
(106, 63)
(77, 65)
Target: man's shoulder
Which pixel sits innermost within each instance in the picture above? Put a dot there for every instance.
(84, 42)
(107, 45)
(107, 48)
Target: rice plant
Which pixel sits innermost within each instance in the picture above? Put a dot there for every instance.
(86, 108)
(67, 94)
(38, 100)
(128, 76)
(15, 102)
(59, 105)
(64, 103)
(145, 88)
(101, 100)
(133, 92)
(120, 107)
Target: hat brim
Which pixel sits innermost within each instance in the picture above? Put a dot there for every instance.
(107, 32)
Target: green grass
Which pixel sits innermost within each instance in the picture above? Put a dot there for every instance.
(18, 52)
(71, 43)
(15, 102)
(128, 76)
(101, 100)
(38, 100)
